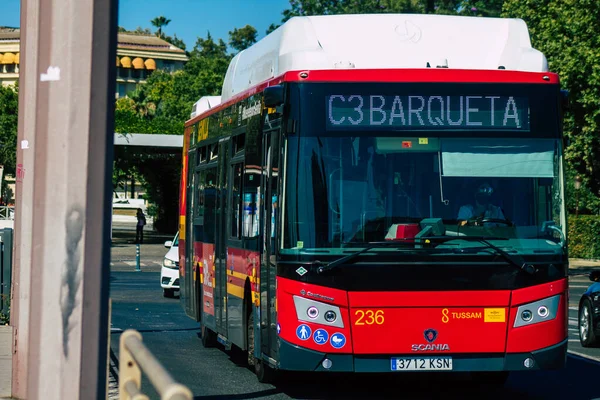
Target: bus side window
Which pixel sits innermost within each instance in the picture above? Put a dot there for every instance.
(236, 203)
(210, 205)
(250, 214)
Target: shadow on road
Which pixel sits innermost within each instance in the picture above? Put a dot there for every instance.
(252, 395)
(377, 386)
(160, 330)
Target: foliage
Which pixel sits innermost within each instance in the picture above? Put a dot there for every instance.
(5, 310)
(242, 38)
(162, 105)
(6, 194)
(159, 174)
(584, 236)
(174, 40)
(138, 30)
(159, 23)
(9, 109)
(567, 32)
(488, 8)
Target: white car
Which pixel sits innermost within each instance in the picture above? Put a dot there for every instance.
(169, 273)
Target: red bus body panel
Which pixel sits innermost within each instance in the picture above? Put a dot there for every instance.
(392, 322)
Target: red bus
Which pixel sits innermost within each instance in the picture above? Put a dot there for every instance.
(368, 195)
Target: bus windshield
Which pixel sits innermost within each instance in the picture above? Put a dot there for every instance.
(356, 187)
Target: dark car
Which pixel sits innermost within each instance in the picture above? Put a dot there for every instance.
(589, 313)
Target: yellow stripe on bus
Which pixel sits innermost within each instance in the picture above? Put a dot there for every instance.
(182, 227)
(235, 290)
(243, 276)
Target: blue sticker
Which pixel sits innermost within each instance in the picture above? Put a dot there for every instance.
(278, 328)
(338, 340)
(303, 332)
(321, 336)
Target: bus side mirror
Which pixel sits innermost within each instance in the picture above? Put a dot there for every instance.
(273, 96)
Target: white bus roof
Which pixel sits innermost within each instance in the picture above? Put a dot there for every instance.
(378, 41)
(205, 103)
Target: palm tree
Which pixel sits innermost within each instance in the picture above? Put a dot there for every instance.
(159, 22)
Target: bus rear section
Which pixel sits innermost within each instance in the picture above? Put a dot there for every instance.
(323, 329)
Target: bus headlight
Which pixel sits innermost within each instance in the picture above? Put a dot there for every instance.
(546, 309)
(309, 310)
(330, 316)
(526, 315)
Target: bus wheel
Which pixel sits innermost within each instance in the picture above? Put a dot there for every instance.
(209, 339)
(264, 372)
(250, 339)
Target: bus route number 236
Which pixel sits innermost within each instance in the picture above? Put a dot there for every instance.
(369, 317)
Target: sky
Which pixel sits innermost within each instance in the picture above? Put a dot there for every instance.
(189, 18)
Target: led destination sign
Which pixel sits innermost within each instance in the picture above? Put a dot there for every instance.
(427, 112)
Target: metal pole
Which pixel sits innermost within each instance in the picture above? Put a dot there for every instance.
(72, 145)
(20, 302)
(137, 258)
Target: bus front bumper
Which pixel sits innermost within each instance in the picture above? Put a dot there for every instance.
(295, 358)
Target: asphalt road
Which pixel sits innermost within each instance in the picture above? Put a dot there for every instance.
(137, 302)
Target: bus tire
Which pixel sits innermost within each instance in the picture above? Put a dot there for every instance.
(264, 373)
(209, 338)
(250, 338)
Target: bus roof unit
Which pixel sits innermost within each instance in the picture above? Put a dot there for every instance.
(384, 41)
(205, 103)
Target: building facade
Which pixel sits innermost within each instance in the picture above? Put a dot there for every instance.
(9, 56)
(138, 55)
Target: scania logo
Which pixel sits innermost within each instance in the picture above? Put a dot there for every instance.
(430, 347)
(430, 336)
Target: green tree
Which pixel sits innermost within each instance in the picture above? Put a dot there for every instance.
(568, 33)
(175, 41)
(242, 38)
(138, 30)
(162, 105)
(159, 23)
(490, 8)
(9, 109)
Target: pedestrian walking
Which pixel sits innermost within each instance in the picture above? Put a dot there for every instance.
(139, 231)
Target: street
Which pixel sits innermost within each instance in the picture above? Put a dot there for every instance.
(137, 302)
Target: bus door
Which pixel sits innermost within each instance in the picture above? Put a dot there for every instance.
(186, 293)
(220, 295)
(193, 287)
(268, 267)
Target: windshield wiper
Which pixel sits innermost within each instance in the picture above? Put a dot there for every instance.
(515, 260)
(371, 245)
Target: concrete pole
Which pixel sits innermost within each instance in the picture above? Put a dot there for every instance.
(21, 273)
(71, 119)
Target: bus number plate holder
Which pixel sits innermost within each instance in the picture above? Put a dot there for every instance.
(421, 364)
